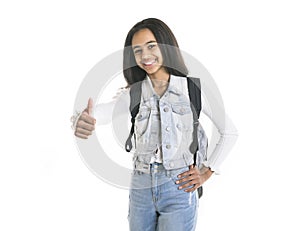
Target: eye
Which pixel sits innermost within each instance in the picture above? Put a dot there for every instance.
(151, 46)
(137, 51)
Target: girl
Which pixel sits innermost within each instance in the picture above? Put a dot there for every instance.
(163, 193)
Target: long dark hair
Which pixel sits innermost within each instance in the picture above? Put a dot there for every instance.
(172, 58)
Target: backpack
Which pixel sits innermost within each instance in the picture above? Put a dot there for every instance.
(200, 141)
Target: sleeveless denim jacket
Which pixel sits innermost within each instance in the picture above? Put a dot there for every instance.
(165, 121)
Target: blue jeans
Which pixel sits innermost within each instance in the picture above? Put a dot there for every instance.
(156, 203)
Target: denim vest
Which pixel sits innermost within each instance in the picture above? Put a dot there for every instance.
(167, 122)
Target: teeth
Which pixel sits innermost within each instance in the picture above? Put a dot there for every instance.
(149, 63)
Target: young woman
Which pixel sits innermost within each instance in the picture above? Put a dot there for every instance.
(163, 193)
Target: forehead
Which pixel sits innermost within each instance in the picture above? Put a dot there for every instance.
(142, 37)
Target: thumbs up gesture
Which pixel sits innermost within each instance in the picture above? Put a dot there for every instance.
(86, 123)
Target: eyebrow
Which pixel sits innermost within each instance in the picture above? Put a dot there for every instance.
(152, 41)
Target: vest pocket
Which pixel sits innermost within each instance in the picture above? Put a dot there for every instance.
(142, 120)
(181, 109)
(183, 117)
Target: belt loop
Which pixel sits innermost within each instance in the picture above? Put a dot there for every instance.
(168, 173)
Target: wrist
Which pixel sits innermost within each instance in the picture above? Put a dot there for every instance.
(74, 119)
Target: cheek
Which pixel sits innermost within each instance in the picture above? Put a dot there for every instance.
(158, 54)
(137, 60)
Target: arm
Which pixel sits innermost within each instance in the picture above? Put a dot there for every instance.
(227, 137)
(103, 113)
(220, 148)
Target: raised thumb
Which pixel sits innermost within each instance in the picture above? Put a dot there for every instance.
(90, 106)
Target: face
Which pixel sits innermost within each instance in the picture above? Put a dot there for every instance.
(147, 53)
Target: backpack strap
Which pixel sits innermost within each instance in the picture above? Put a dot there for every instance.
(194, 88)
(135, 99)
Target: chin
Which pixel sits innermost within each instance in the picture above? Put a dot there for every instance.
(152, 70)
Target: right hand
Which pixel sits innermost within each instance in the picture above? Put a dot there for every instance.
(86, 123)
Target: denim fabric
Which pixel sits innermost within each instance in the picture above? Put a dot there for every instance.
(166, 123)
(156, 203)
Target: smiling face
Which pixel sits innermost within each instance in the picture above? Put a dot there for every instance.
(147, 54)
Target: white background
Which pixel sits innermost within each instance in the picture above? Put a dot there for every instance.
(251, 48)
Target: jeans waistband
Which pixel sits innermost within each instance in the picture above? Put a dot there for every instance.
(157, 166)
(156, 163)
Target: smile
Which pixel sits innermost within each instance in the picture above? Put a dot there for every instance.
(149, 63)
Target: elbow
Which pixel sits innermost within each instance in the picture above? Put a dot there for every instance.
(229, 133)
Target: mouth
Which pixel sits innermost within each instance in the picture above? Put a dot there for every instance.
(149, 63)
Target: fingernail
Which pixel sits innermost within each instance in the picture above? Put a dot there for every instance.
(179, 176)
(180, 187)
(177, 182)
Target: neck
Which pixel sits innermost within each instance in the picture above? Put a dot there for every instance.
(163, 76)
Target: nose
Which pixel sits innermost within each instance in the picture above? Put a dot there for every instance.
(145, 54)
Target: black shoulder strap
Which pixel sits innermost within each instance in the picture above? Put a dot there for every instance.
(194, 88)
(135, 99)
